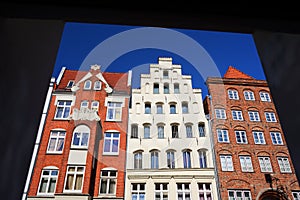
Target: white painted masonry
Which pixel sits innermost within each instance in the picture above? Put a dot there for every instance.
(167, 87)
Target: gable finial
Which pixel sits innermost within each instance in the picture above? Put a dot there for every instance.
(95, 67)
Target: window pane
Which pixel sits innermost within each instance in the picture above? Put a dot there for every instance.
(115, 146)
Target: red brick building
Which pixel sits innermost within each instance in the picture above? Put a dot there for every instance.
(251, 154)
(82, 143)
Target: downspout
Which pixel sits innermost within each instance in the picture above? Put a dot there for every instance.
(38, 138)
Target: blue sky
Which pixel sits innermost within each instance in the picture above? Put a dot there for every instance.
(119, 48)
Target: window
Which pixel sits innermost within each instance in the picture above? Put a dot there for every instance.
(258, 137)
(138, 191)
(56, 142)
(202, 158)
(147, 108)
(74, 178)
(186, 159)
(204, 191)
(276, 138)
(134, 131)
(296, 195)
(226, 162)
(239, 194)
(284, 164)
(154, 160)
(146, 131)
(155, 88)
(165, 74)
(160, 130)
(147, 88)
(114, 111)
(97, 85)
(159, 108)
(246, 163)
(249, 95)
(254, 116)
(233, 94)
(265, 164)
(183, 191)
(161, 191)
(174, 128)
(237, 115)
(173, 109)
(87, 85)
(270, 117)
(201, 130)
(84, 104)
(48, 181)
(185, 107)
(220, 113)
(138, 158)
(171, 159)
(95, 105)
(111, 143)
(176, 88)
(70, 84)
(222, 135)
(166, 88)
(264, 96)
(108, 182)
(189, 131)
(80, 137)
(241, 137)
(63, 109)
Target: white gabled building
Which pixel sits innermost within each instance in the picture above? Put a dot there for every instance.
(169, 154)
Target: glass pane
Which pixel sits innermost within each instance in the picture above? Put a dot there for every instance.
(115, 146)
(43, 185)
(103, 186)
(67, 111)
(51, 146)
(78, 182)
(59, 112)
(52, 185)
(107, 145)
(76, 139)
(60, 144)
(112, 186)
(85, 139)
(69, 183)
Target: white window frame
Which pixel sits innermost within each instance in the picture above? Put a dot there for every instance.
(242, 197)
(276, 138)
(205, 191)
(110, 179)
(95, 107)
(237, 115)
(296, 195)
(65, 109)
(223, 135)
(270, 117)
(171, 159)
(258, 137)
(84, 104)
(48, 177)
(233, 94)
(80, 134)
(110, 138)
(184, 190)
(254, 116)
(115, 108)
(249, 95)
(226, 163)
(75, 174)
(220, 113)
(284, 164)
(97, 85)
(265, 164)
(241, 137)
(246, 163)
(138, 191)
(56, 135)
(265, 96)
(161, 190)
(87, 85)
(138, 160)
(154, 159)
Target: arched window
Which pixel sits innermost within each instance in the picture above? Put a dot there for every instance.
(176, 88)
(147, 88)
(48, 180)
(160, 131)
(202, 158)
(84, 104)
(87, 85)
(159, 108)
(138, 160)
(81, 136)
(97, 85)
(174, 129)
(154, 159)
(173, 108)
(155, 88)
(147, 108)
(249, 95)
(146, 130)
(171, 159)
(189, 130)
(95, 105)
(233, 94)
(187, 158)
(201, 129)
(185, 107)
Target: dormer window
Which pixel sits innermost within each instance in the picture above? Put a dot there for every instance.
(70, 84)
(97, 85)
(87, 85)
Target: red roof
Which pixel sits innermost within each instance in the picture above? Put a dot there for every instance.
(232, 72)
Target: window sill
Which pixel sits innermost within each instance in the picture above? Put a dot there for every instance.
(110, 154)
(53, 153)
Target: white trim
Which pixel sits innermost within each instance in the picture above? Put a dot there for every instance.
(129, 78)
(62, 71)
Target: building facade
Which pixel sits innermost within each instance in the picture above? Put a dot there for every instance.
(80, 149)
(252, 156)
(169, 153)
